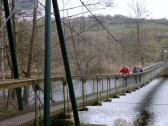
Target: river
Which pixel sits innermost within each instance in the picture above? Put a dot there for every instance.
(147, 106)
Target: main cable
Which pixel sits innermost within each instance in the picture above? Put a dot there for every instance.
(118, 41)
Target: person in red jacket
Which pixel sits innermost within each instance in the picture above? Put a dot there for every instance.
(125, 70)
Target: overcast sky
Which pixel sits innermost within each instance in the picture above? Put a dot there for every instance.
(157, 8)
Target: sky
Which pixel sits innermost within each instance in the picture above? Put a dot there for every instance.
(157, 8)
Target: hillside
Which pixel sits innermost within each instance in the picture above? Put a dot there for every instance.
(95, 49)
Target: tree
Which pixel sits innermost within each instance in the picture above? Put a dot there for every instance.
(32, 41)
(139, 13)
(1, 43)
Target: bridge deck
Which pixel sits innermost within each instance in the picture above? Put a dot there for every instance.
(28, 118)
(118, 85)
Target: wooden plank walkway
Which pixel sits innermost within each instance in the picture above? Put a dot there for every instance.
(58, 109)
(24, 119)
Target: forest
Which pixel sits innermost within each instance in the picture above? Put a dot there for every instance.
(96, 44)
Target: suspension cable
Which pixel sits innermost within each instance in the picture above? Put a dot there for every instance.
(118, 41)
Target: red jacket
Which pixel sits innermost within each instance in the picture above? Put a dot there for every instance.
(124, 70)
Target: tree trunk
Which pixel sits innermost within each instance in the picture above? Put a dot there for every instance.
(2, 47)
(30, 60)
(139, 42)
(13, 21)
(76, 55)
(80, 68)
(28, 74)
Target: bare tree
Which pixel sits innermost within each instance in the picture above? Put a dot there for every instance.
(1, 43)
(139, 13)
(32, 41)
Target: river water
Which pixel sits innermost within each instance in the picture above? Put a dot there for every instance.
(149, 103)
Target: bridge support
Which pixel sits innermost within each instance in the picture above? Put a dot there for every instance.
(13, 53)
(66, 62)
(83, 93)
(36, 106)
(108, 90)
(65, 96)
(116, 87)
(97, 92)
(108, 84)
(47, 64)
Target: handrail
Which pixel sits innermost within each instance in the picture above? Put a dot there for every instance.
(90, 90)
(13, 83)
